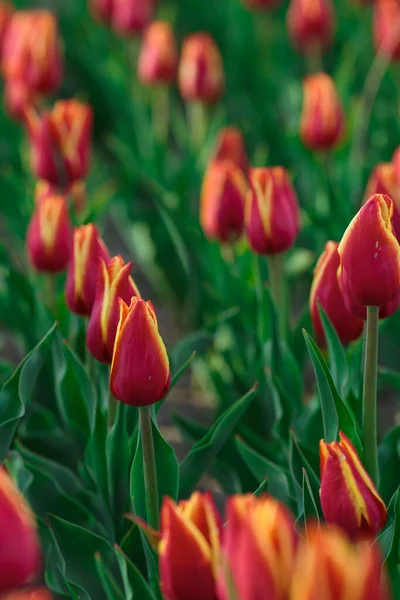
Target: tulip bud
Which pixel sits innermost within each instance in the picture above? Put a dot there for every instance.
(60, 142)
(258, 552)
(328, 566)
(49, 235)
(31, 51)
(131, 16)
(113, 282)
(230, 146)
(76, 192)
(386, 27)
(6, 11)
(370, 255)
(189, 548)
(158, 59)
(139, 378)
(311, 24)
(222, 201)
(18, 98)
(20, 559)
(383, 180)
(260, 4)
(37, 593)
(88, 249)
(201, 73)
(272, 212)
(349, 498)
(325, 291)
(322, 117)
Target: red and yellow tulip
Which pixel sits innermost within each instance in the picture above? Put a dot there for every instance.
(158, 59)
(311, 24)
(386, 27)
(230, 145)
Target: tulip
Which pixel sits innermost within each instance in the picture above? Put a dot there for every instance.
(49, 235)
(158, 59)
(76, 192)
(37, 593)
(349, 498)
(328, 566)
(311, 24)
(139, 378)
(113, 282)
(325, 291)
(83, 269)
(20, 557)
(18, 98)
(230, 146)
(131, 16)
(60, 142)
(322, 117)
(189, 550)
(31, 51)
(6, 11)
(258, 551)
(272, 212)
(201, 74)
(101, 10)
(260, 4)
(370, 254)
(223, 196)
(386, 28)
(383, 180)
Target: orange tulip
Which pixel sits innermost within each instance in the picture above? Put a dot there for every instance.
(37, 593)
(158, 59)
(6, 11)
(386, 27)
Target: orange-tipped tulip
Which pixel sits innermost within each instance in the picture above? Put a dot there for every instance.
(20, 557)
(349, 498)
(330, 567)
(370, 255)
(60, 142)
(222, 201)
(131, 16)
(158, 59)
(138, 377)
(322, 117)
(230, 145)
(49, 235)
(383, 180)
(76, 192)
(31, 51)
(311, 24)
(386, 27)
(36, 593)
(113, 282)
(272, 212)
(190, 548)
(325, 292)
(88, 249)
(258, 552)
(201, 72)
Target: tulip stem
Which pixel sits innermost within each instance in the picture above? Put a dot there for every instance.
(197, 117)
(160, 112)
(276, 271)
(112, 409)
(50, 293)
(370, 394)
(149, 468)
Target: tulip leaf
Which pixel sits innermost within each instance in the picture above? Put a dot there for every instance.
(110, 586)
(389, 463)
(16, 393)
(298, 463)
(203, 453)
(262, 468)
(309, 503)
(392, 558)
(263, 488)
(135, 585)
(337, 354)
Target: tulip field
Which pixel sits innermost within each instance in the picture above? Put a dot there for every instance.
(199, 300)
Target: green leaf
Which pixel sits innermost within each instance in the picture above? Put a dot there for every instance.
(262, 488)
(203, 453)
(297, 463)
(197, 342)
(110, 586)
(309, 503)
(135, 585)
(389, 463)
(337, 354)
(392, 558)
(16, 393)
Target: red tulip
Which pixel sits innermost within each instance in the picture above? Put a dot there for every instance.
(386, 27)
(18, 98)
(36, 593)
(311, 24)
(272, 212)
(158, 59)
(131, 16)
(230, 145)
(6, 11)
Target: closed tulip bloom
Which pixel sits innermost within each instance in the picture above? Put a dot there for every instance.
(311, 24)
(222, 201)
(32, 51)
(370, 255)
(189, 550)
(201, 72)
(230, 145)
(322, 117)
(383, 180)
(329, 566)
(272, 212)
(158, 59)
(60, 142)
(349, 498)
(88, 249)
(325, 292)
(20, 557)
(49, 235)
(76, 193)
(140, 373)
(113, 282)
(131, 16)
(258, 551)
(36, 593)
(6, 11)
(386, 27)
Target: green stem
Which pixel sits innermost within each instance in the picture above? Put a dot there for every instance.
(197, 117)
(370, 394)
(149, 468)
(313, 59)
(112, 409)
(160, 112)
(276, 270)
(50, 293)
